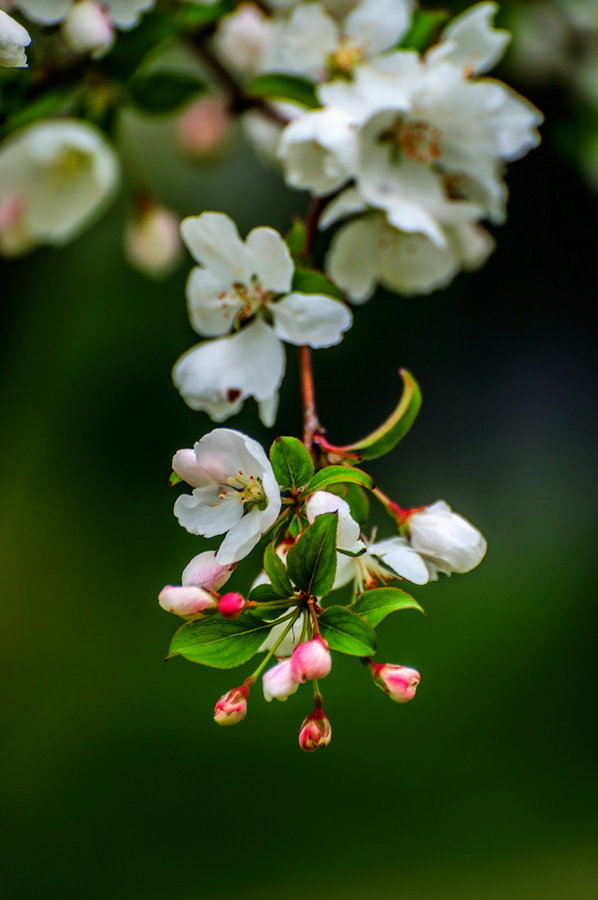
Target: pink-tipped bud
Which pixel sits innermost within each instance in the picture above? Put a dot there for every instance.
(203, 127)
(232, 707)
(315, 731)
(185, 465)
(311, 660)
(231, 605)
(278, 682)
(87, 28)
(152, 240)
(203, 571)
(399, 682)
(185, 601)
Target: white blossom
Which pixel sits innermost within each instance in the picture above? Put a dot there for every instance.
(245, 287)
(87, 28)
(13, 40)
(242, 37)
(152, 241)
(278, 682)
(124, 13)
(471, 42)
(444, 537)
(235, 493)
(55, 176)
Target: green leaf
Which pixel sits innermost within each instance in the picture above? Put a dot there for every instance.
(373, 606)
(263, 593)
(280, 86)
(388, 435)
(356, 497)
(311, 562)
(310, 281)
(277, 572)
(165, 92)
(131, 47)
(174, 479)
(292, 464)
(272, 533)
(194, 15)
(221, 643)
(296, 237)
(425, 25)
(347, 632)
(338, 475)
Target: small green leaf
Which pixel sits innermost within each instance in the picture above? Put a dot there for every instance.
(296, 237)
(309, 281)
(277, 572)
(356, 497)
(174, 479)
(164, 92)
(292, 464)
(388, 435)
(425, 25)
(338, 475)
(373, 606)
(280, 86)
(347, 632)
(221, 643)
(263, 593)
(311, 562)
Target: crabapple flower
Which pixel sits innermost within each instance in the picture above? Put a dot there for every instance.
(311, 660)
(124, 13)
(55, 176)
(315, 731)
(232, 706)
(471, 42)
(185, 601)
(13, 40)
(231, 605)
(152, 241)
(288, 644)
(399, 556)
(87, 28)
(242, 37)
(278, 682)
(235, 493)
(347, 531)
(243, 286)
(399, 682)
(200, 578)
(203, 127)
(448, 540)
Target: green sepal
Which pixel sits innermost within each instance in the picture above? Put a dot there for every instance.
(311, 561)
(292, 464)
(218, 642)
(338, 475)
(425, 26)
(310, 281)
(280, 86)
(162, 92)
(356, 497)
(296, 238)
(297, 526)
(347, 632)
(174, 479)
(388, 435)
(375, 605)
(277, 572)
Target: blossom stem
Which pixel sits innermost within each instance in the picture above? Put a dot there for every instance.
(393, 509)
(311, 423)
(255, 675)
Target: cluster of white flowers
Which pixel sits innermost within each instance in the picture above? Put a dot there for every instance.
(241, 295)
(411, 149)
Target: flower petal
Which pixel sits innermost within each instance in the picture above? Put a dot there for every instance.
(212, 306)
(214, 241)
(402, 559)
(204, 512)
(378, 24)
(272, 260)
(313, 319)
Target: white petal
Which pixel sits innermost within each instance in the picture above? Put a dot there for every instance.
(313, 319)
(291, 640)
(268, 410)
(272, 260)
(345, 204)
(212, 306)
(470, 41)
(214, 241)
(347, 532)
(378, 24)
(353, 260)
(402, 559)
(241, 539)
(303, 43)
(413, 264)
(317, 150)
(204, 513)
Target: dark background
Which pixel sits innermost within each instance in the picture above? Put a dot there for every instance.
(116, 782)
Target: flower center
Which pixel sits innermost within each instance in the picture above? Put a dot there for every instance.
(252, 296)
(249, 490)
(342, 61)
(416, 140)
(370, 573)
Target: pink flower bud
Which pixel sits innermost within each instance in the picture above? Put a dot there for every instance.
(203, 571)
(278, 682)
(152, 241)
(399, 682)
(231, 605)
(185, 601)
(232, 707)
(315, 731)
(203, 127)
(87, 28)
(185, 465)
(311, 660)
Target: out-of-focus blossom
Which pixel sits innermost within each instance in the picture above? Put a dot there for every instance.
(203, 127)
(243, 37)
(13, 40)
(87, 28)
(152, 240)
(278, 682)
(124, 13)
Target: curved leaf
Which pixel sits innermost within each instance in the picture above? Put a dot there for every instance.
(347, 632)
(339, 475)
(218, 642)
(388, 435)
(281, 86)
(373, 606)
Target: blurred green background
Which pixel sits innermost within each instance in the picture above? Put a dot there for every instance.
(116, 782)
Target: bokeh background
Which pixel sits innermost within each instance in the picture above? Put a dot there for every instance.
(115, 781)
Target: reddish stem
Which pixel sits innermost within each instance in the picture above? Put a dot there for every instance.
(311, 423)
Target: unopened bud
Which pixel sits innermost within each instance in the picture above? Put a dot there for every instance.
(185, 465)
(231, 605)
(185, 601)
(399, 682)
(278, 682)
(203, 127)
(87, 28)
(203, 571)
(311, 660)
(153, 242)
(315, 731)
(232, 707)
